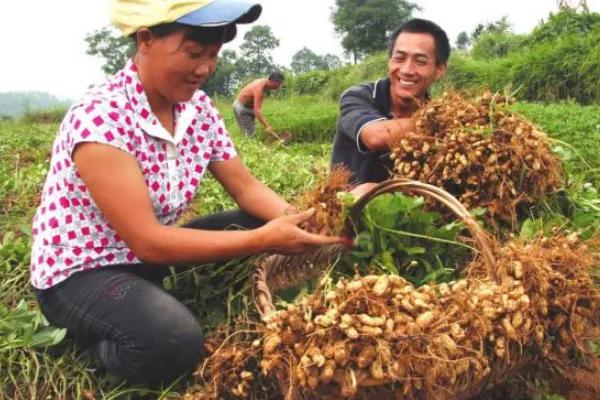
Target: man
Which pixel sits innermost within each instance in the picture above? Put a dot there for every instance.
(372, 113)
(248, 104)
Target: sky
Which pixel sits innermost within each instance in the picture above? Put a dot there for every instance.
(44, 49)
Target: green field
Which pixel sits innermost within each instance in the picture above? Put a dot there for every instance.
(29, 370)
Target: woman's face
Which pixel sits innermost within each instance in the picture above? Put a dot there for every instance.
(173, 68)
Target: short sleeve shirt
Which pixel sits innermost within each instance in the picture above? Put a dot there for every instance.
(360, 106)
(70, 234)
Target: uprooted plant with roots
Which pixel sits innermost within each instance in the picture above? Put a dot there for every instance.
(481, 152)
(379, 336)
(325, 199)
(535, 310)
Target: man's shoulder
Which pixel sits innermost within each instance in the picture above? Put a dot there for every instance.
(363, 89)
(255, 86)
(365, 86)
(259, 82)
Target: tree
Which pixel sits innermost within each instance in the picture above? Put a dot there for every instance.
(307, 60)
(496, 45)
(495, 39)
(332, 61)
(499, 27)
(564, 23)
(258, 44)
(568, 5)
(365, 25)
(477, 31)
(226, 76)
(463, 41)
(113, 47)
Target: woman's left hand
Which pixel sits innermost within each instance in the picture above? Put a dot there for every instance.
(362, 189)
(283, 235)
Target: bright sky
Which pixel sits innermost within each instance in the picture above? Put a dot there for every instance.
(43, 47)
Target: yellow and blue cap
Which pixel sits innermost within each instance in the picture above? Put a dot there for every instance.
(130, 15)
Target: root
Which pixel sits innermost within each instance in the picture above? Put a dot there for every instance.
(483, 154)
(447, 340)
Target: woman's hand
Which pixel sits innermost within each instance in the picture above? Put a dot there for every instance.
(360, 190)
(282, 235)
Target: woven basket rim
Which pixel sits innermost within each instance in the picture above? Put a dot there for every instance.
(267, 267)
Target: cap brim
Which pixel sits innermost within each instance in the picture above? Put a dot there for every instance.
(230, 32)
(223, 12)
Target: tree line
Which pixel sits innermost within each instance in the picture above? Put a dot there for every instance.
(363, 26)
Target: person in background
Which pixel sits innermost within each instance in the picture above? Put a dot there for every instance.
(128, 159)
(248, 104)
(372, 113)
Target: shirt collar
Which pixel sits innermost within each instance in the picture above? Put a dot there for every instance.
(382, 96)
(183, 112)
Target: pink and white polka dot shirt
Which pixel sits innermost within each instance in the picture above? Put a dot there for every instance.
(70, 233)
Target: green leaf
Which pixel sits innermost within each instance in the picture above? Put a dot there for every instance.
(388, 263)
(413, 251)
(48, 336)
(399, 235)
(530, 228)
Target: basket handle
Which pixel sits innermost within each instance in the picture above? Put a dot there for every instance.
(458, 209)
(266, 275)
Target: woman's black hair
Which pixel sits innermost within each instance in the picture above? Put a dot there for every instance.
(199, 34)
(417, 25)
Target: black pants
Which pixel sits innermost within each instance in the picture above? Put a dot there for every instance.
(136, 329)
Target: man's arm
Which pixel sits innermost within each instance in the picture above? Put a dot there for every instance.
(259, 94)
(378, 135)
(365, 124)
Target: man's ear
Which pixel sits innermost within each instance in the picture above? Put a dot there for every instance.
(441, 70)
(143, 38)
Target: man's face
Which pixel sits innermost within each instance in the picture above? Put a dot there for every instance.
(273, 85)
(412, 66)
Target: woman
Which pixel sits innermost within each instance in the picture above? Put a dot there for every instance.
(128, 159)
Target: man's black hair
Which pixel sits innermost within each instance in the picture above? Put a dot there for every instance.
(417, 25)
(276, 76)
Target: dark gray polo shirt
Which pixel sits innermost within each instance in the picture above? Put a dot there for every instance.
(360, 106)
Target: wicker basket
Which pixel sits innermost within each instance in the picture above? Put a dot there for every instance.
(268, 276)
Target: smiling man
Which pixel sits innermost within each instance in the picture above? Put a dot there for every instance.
(372, 113)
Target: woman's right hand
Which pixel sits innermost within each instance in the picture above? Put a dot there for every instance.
(360, 190)
(282, 235)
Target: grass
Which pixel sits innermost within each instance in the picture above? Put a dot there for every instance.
(31, 371)
(576, 125)
(35, 372)
(308, 118)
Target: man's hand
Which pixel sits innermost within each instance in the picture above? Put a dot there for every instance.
(379, 135)
(282, 235)
(404, 126)
(273, 134)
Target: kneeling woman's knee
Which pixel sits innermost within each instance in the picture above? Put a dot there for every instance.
(157, 355)
(174, 353)
(157, 343)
